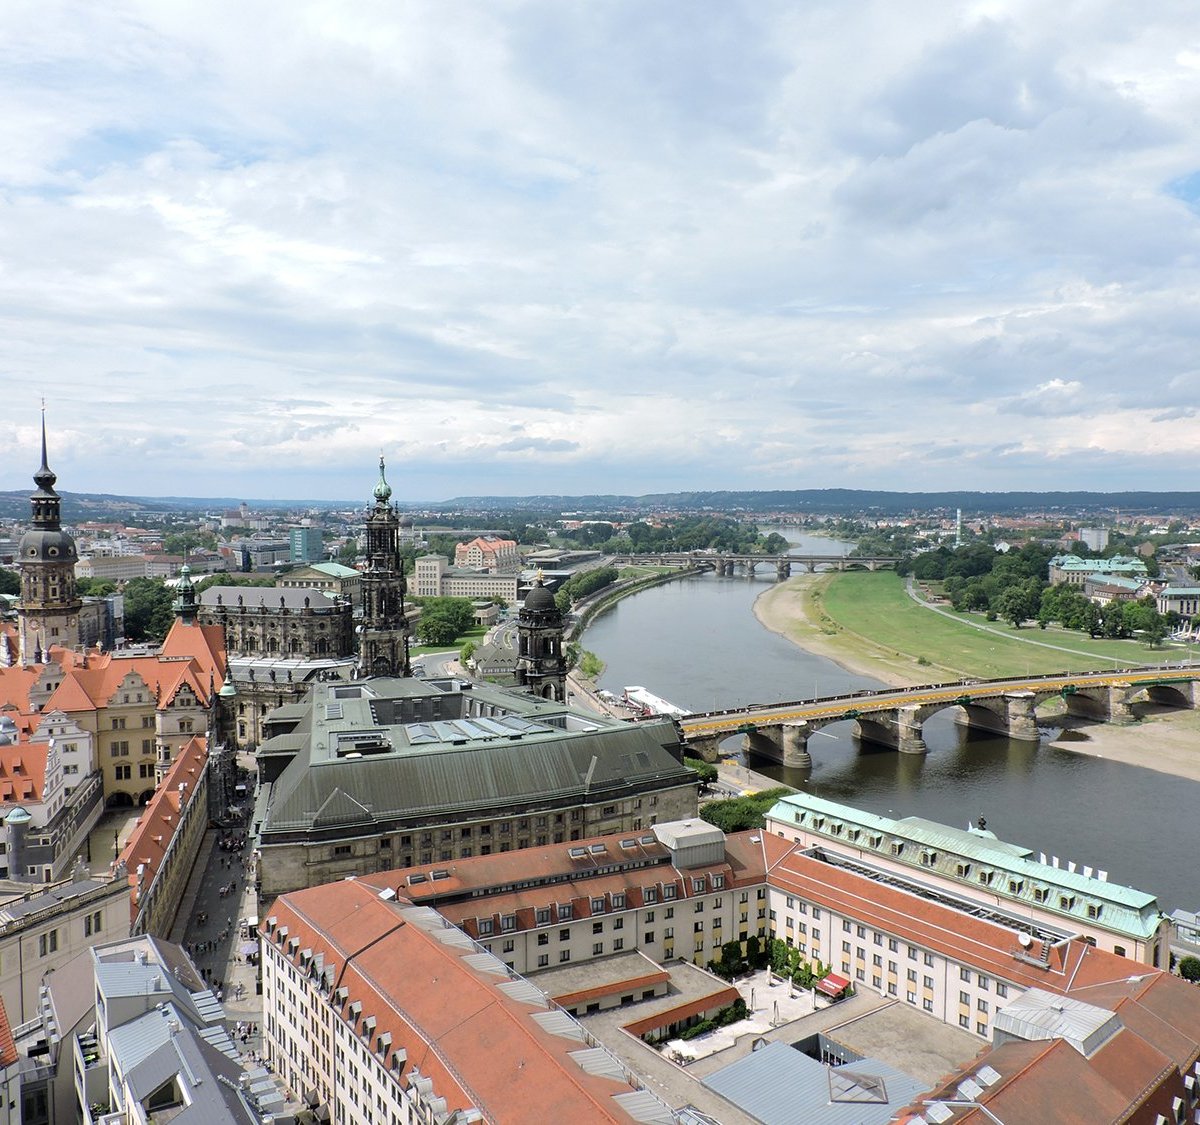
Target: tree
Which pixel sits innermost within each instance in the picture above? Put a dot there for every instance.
(10, 582)
(1189, 968)
(706, 770)
(148, 613)
(1014, 604)
(94, 587)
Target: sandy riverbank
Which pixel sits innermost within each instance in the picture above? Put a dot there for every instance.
(1168, 742)
(792, 609)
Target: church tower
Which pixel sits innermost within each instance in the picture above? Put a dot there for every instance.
(48, 612)
(541, 661)
(383, 635)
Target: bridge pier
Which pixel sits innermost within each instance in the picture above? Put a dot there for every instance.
(783, 569)
(909, 731)
(1022, 720)
(706, 749)
(810, 566)
(1120, 710)
(795, 746)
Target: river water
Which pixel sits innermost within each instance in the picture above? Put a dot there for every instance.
(697, 643)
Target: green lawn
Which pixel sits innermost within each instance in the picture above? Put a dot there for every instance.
(476, 633)
(876, 608)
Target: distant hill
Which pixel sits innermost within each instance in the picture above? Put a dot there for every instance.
(81, 506)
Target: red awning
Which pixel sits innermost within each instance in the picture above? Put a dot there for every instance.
(833, 985)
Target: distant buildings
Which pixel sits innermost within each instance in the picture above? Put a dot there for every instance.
(305, 544)
(436, 578)
(1074, 571)
(272, 622)
(489, 553)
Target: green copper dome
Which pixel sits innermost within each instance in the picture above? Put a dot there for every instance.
(383, 490)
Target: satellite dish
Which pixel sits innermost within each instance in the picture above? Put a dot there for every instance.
(1025, 940)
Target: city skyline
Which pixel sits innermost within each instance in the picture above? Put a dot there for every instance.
(571, 250)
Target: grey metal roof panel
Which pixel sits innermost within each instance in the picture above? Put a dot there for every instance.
(780, 1086)
(538, 767)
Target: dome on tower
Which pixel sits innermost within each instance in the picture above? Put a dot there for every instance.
(383, 490)
(39, 546)
(539, 599)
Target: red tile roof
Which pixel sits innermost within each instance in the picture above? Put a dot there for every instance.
(8, 1049)
(480, 1046)
(155, 828)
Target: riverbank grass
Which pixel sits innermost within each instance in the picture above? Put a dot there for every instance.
(875, 610)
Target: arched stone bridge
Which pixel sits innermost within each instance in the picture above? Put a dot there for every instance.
(895, 717)
(729, 564)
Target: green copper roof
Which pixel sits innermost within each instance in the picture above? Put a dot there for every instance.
(1013, 873)
(383, 490)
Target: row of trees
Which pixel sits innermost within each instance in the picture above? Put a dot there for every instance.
(739, 813)
(690, 533)
(580, 585)
(444, 620)
(1013, 587)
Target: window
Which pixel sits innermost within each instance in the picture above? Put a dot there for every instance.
(597, 906)
(48, 943)
(92, 924)
(597, 927)
(486, 926)
(618, 900)
(698, 886)
(650, 895)
(927, 982)
(543, 960)
(964, 1021)
(597, 948)
(543, 939)
(964, 974)
(649, 915)
(564, 912)
(718, 881)
(564, 955)
(698, 927)
(564, 935)
(543, 917)
(861, 931)
(648, 938)
(508, 946)
(618, 923)
(964, 998)
(1001, 990)
(982, 1006)
(983, 982)
(670, 891)
(981, 1027)
(618, 945)
(927, 1004)
(929, 959)
(846, 925)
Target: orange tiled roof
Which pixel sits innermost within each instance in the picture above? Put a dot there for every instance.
(480, 1046)
(8, 1049)
(155, 828)
(23, 772)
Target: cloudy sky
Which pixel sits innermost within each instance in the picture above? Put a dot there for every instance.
(600, 246)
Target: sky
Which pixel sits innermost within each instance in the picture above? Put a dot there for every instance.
(601, 246)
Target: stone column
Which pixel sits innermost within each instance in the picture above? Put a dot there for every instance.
(1022, 721)
(1119, 710)
(795, 746)
(909, 732)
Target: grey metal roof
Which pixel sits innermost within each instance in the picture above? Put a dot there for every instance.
(781, 1086)
(1039, 1015)
(150, 1052)
(540, 767)
(49, 898)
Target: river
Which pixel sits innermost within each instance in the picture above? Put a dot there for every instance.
(697, 643)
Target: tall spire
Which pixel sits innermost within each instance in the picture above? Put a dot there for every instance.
(44, 478)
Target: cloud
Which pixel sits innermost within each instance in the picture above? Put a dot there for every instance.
(712, 245)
